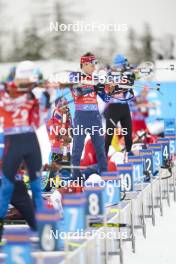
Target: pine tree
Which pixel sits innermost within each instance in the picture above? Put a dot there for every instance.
(167, 46)
(2, 29)
(62, 43)
(32, 44)
(15, 54)
(133, 52)
(109, 48)
(147, 52)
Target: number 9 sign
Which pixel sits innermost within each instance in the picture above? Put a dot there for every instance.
(112, 189)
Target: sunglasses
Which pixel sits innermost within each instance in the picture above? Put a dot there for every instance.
(94, 62)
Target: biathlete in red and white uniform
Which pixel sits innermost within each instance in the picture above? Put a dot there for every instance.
(59, 132)
(20, 112)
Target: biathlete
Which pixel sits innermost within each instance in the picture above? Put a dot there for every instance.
(58, 131)
(118, 110)
(20, 112)
(87, 115)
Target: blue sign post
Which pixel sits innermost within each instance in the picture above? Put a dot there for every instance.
(169, 126)
(170, 133)
(126, 176)
(112, 189)
(74, 217)
(48, 228)
(138, 170)
(172, 140)
(147, 156)
(17, 248)
(157, 157)
(165, 149)
(95, 194)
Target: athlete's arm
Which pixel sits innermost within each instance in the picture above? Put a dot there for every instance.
(11, 104)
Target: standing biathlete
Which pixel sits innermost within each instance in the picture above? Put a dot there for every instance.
(87, 117)
(118, 110)
(20, 112)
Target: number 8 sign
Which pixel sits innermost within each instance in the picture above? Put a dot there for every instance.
(95, 200)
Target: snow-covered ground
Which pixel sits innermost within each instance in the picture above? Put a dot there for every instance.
(160, 245)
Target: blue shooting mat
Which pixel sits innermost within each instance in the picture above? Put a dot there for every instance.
(166, 100)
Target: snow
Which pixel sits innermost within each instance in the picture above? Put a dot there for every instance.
(159, 246)
(44, 143)
(162, 75)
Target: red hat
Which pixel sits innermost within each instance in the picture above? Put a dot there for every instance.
(88, 59)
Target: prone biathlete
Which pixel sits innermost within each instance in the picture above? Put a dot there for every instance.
(20, 112)
(59, 131)
(59, 134)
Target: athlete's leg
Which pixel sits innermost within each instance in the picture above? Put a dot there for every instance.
(109, 135)
(113, 114)
(99, 142)
(33, 160)
(11, 161)
(78, 143)
(23, 203)
(126, 122)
